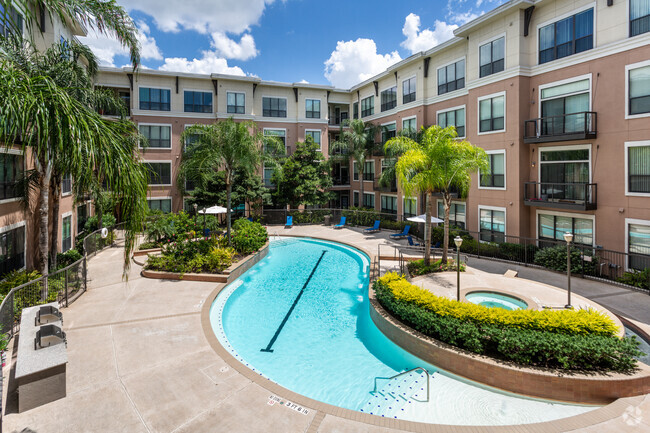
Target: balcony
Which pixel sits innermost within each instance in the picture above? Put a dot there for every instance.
(576, 126)
(338, 120)
(341, 181)
(572, 196)
(392, 187)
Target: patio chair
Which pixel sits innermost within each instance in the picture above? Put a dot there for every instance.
(409, 238)
(341, 223)
(289, 223)
(372, 229)
(250, 219)
(403, 234)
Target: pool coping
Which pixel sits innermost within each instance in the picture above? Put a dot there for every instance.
(613, 410)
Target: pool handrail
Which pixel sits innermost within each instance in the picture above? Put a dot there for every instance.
(374, 391)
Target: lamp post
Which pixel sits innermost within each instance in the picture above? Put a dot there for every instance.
(568, 237)
(196, 212)
(458, 241)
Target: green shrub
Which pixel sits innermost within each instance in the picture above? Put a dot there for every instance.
(308, 216)
(67, 258)
(17, 278)
(248, 237)
(640, 279)
(92, 223)
(555, 258)
(417, 267)
(162, 228)
(193, 256)
(149, 245)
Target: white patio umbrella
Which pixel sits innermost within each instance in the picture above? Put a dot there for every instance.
(422, 218)
(214, 210)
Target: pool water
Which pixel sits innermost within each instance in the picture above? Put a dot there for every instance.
(300, 317)
(496, 300)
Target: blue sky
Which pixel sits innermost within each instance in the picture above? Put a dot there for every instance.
(335, 42)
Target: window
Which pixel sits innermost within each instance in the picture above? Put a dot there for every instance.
(410, 125)
(82, 217)
(154, 99)
(639, 90)
(638, 167)
(355, 171)
(369, 170)
(369, 200)
(408, 90)
(497, 176)
(454, 118)
(639, 17)
(387, 132)
(491, 57)
(355, 110)
(388, 204)
(410, 207)
(198, 102)
(315, 135)
(279, 134)
(638, 245)
(492, 114)
(571, 35)
(268, 174)
(11, 172)
(11, 21)
(312, 108)
(158, 136)
(388, 99)
(451, 77)
(66, 233)
(564, 107)
(274, 107)
(236, 102)
(492, 225)
(66, 184)
(563, 172)
(161, 204)
(554, 226)
(387, 163)
(190, 185)
(368, 106)
(12, 250)
(355, 198)
(456, 214)
(160, 173)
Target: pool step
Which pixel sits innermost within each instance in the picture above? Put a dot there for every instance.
(390, 401)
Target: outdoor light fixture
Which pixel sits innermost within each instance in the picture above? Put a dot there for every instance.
(458, 241)
(568, 237)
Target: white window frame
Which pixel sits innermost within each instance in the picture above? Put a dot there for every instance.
(171, 202)
(459, 107)
(17, 152)
(242, 93)
(69, 193)
(392, 196)
(562, 147)
(271, 117)
(628, 68)
(496, 208)
(478, 53)
(562, 82)
(478, 113)
(171, 171)
(505, 176)
(567, 215)
(456, 61)
(628, 144)
(442, 217)
(286, 145)
(170, 135)
(72, 224)
(320, 113)
(320, 144)
(629, 221)
(374, 171)
(15, 226)
(410, 118)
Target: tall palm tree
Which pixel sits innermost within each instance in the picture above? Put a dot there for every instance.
(357, 142)
(226, 145)
(437, 162)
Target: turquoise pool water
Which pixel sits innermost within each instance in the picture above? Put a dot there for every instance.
(496, 300)
(300, 318)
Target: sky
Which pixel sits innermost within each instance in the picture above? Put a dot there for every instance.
(335, 42)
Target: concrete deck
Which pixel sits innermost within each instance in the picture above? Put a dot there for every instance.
(139, 361)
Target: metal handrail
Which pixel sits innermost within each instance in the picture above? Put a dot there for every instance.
(402, 374)
(588, 127)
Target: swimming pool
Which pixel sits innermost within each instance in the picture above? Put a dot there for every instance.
(496, 300)
(300, 318)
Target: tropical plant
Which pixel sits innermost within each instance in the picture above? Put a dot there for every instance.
(249, 236)
(438, 162)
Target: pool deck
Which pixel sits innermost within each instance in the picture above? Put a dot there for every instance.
(139, 361)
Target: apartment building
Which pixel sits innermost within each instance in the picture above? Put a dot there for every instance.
(557, 92)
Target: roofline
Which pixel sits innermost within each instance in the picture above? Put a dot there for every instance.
(512, 4)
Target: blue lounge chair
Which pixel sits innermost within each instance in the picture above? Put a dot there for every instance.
(403, 234)
(341, 223)
(250, 219)
(411, 243)
(289, 223)
(372, 229)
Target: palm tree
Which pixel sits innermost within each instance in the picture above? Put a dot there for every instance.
(437, 162)
(357, 142)
(233, 147)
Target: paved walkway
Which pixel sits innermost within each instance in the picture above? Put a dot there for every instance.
(139, 362)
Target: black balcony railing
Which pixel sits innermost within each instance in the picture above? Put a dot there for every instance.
(341, 180)
(392, 187)
(576, 196)
(576, 126)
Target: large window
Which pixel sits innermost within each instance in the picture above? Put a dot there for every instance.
(158, 136)
(496, 177)
(355, 199)
(155, 99)
(12, 250)
(161, 204)
(369, 200)
(408, 90)
(279, 134)
(160, 173)
(11, 172)
(410, 207)
(355, 171)
(82, 217)
(66, 233)
(492, 114)
(389, 204)
(11, 21)
(388, 132)
(274, 107)
(563, 107)
(236, 102)
(369, 170)
(454, 118)
(388, 99)
(639, 17)
(268, 174)
(312, 108)
(368, 106)
(451, 77)
(553, 227)
(315, 136)
(493, 225)
(198, 102)
(563, 173)
(571, 35)
(355, 110)
(456, 214)
(66, 184)
(638, 168)
(638, 244)
(639, 90)
(492, 57)
(410, 125)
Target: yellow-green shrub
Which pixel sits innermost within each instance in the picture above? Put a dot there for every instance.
(579, 322)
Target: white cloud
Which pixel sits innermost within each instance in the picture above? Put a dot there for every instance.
(208, 64)
(355, 61)
(106, 48)
(242, 50)
(417, 40)
(148, 47)
(464, 17)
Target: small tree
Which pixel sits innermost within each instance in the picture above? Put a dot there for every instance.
(247, 188)
(304, 178)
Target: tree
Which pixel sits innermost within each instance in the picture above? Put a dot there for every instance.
(304, 178)
(228, 146)
(437, 162)
(357, 142)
